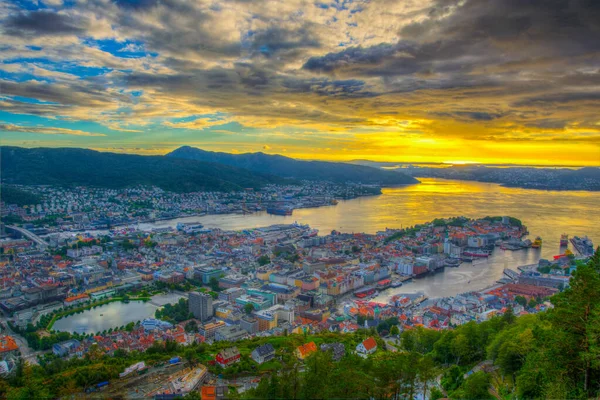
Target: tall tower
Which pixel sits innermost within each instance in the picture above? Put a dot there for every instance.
(201, 305)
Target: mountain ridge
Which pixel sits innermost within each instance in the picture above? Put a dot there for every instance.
(84, 167)
(287, 167)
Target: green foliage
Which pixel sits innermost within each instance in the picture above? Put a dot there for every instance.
(295, 169)
(475, 387)
(55, 167)
(409, 232)
(263, 260)
(174, 313)
(248, 308)
(214, 284)
(20, 197)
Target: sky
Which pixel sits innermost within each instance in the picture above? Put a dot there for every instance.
(498, 81)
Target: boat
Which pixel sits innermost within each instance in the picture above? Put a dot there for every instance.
(396, 283)
(334, 202)
(564, 239)
(362, 293)
(567, 253)
(584, 245)
(537, 243)
(189, 228)
(280, 210)
(476, 254)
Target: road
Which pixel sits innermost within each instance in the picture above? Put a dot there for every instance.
(27, 353)
(40, 242)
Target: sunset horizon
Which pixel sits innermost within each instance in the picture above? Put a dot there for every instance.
(416, 82)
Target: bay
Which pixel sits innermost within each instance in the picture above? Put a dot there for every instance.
(546, 213)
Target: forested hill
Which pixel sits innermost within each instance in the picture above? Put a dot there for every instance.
(290, 168)
(72, 167)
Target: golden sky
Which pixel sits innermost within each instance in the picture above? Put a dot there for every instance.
(419, 81)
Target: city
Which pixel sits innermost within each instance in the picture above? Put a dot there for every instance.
(290, 199)
(195, 286)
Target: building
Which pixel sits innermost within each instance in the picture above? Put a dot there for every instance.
(305, 350)
(230, 334)
(151, 324)
(205, 274)
(200, 305)
(258, 302)
(267, 320)
(208, 331)
(65, 348)
(213, 392)
(368, 346)
(80, 298)
(263, 353)
(229, 295)
(227, 357)
(8, 345)
(249, 324)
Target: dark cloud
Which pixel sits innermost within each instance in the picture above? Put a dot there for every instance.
(277, 39)
(44, 23)
(559, 98)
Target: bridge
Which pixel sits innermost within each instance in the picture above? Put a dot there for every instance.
(30, 235)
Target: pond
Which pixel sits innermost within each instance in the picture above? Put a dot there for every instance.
(111, 315)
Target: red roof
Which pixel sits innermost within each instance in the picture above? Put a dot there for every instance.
(369, 344)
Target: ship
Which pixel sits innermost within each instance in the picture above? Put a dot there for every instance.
(189, 228)
(564, 239)
(584, 245)
(362, 293)
(285, 210)
(567, 253)
(476, 254)
(537, 243)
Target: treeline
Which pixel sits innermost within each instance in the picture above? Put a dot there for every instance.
(174, 313)
(20, 197)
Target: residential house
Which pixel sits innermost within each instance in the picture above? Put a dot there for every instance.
(305, 350)
(227, 357)
(368, 346)
(263, 353)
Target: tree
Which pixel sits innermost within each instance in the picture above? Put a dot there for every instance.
(191, 326)
(190, 356)
(427, 372)
(575, 314)
(394, 330)
(475, 387)
(521, 300)
(214, 284)
(248, 308)
(263, 260)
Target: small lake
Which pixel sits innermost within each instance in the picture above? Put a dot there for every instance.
(113, 315)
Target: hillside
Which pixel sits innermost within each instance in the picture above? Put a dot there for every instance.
(73, 167)
(290, 168)
(547, 178)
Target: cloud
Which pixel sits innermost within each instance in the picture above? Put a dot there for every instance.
(45, 130)
(378, 71)
(44, 22)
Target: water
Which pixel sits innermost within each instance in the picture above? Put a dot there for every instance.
(546, 213)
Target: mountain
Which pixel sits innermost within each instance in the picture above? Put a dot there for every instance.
(72, 167)
(587, 178)
(290, 168)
